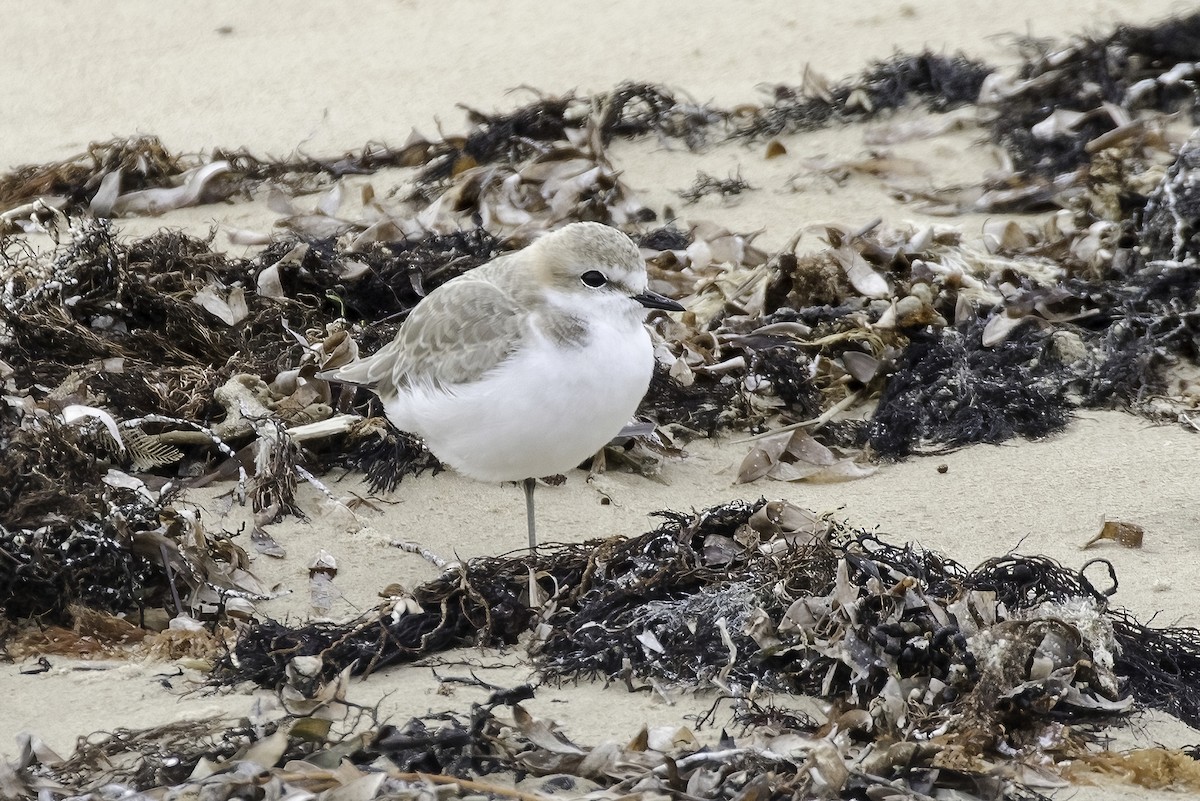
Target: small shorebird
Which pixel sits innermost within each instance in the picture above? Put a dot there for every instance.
(527, 365)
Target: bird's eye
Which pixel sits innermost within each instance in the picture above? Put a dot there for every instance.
(594, 279)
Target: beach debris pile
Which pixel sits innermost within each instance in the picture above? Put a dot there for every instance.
(78, 534)
(993, 682)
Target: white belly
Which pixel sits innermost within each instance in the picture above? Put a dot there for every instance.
(543, 411)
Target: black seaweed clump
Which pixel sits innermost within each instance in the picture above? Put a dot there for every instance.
(707, 405)
(637, 109)
(789, 369)
(1133, 328)
(696, 601)
(481, 606)
(668, 237)
(942, 82)
(64, 541)
(263, 651)
(399, 273)
(110, 299)
(46, 573)
(706, 184)
(133, 300)
(1092, 72)
(386, 460)
(510, 137)
(630, 110)
(948, 390)
(1162, 666)
(1170, 222)
(1155, 323)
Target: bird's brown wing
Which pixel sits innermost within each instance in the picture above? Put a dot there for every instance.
(455, 335)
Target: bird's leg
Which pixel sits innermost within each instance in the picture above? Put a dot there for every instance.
(529, 485)
(535, 595)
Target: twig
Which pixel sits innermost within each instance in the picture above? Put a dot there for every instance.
(162, 549)
(815, 422)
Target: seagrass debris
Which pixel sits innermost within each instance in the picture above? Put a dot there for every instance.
(1058, 110)
(202, 363)
(991, 682)
(1092, 306)
(959, 345)
(768, 594)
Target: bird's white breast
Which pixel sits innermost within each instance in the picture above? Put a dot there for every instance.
(542, 411)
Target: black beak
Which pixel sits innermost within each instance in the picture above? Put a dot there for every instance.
(653, 300)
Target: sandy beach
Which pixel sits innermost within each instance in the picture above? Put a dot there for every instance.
(321, 79)
(213, 74)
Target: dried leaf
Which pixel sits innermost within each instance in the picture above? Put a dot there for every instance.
(762, 457)
(1061, 122)
(1128, 534)
(539, 733)
(230, 309)
(1004, 236)
(267, 752)
(1000, 327)
(861, 275)
(330, 202)
(106, 196)
(75, 412)
(804, 448)
(159, 200)
(861, 366)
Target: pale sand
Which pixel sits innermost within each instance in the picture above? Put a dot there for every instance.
(313, 79)
(322, 77)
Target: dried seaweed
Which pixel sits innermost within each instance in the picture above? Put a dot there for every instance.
(75, 534)
(630, 110)
(142, 161)
(405, 271)
(949, 391)
(636, 109)
(706, 184)
(102, 299)
(118, 171)
(942, 82)
(489, 611)
(165, 755)
(784, 337)
(666, 238)
(907, 644)
(44, 472)
(950, 676)
(1162, 665)
(1170, 222)
(1096, 85)
(115, 310)
(704, 406)
(385, 460)
(1131, 69)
